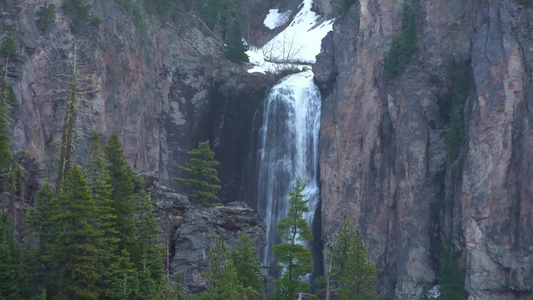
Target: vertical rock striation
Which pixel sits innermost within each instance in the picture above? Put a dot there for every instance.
(383, 157)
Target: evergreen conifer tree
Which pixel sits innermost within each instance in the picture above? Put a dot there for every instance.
(73, 252)
(348, 273)
(98, 182)
(121, 180)
(202, 175)
(39, 216)
(294, 259)
(248, 267)
(236, 49)
(9, 260)
(124, 284)
(149, 255)
(39, 220)
(223, 278)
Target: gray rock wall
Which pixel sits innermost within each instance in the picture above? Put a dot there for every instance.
(383, 157)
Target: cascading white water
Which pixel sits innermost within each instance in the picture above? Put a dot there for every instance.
(288, 149)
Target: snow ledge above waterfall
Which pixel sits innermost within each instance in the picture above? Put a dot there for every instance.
(296, 45)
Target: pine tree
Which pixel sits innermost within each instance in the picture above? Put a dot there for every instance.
(223, 278)
(39, 216)
(30, 277)
(9, 260)
(248, 267)
(294, 259)
(39, 220)
(202, 175)
(125, 283)
(121, 180)
(73, 249)
(348, 273)
(98, 183)
(149, 255)
(451, 279)
(236, 49)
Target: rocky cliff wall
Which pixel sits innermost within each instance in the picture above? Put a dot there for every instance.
(162, 88)
(385, 161)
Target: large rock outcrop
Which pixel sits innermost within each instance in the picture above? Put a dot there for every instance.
(191, 230)
(384, 159)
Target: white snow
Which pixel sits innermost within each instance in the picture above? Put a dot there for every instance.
(275, 19)
(298, 43)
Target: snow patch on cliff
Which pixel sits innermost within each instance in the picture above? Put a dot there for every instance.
(275, 19)
(299, 43)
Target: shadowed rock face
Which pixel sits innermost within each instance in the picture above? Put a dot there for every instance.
(383, 158)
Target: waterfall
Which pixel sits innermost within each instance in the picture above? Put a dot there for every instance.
(288, 149)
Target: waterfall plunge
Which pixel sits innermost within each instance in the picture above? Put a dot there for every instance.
(288, 149)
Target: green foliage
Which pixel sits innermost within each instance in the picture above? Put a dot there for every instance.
(124, 284)
(454, 138)
(294, 259)
(202, 175)
(434, 79)
(5, 153)
(293, 227)
(404, 46)
(39, 216)
(73, 248)
(248, 267)
(526, 3)
(235, 49)
(80, 12)
(8, 47)
(96, 21)
(349, 273)
(9, 258)
(451, 278)
(98, 183)
(122, 188)
(83, 254)
(223, 278)
(162, 7)
(134, 9)
(47, 17)
(340, 6)
(146, 252)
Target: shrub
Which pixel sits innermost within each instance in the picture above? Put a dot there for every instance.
(48, 17)
(404, 46)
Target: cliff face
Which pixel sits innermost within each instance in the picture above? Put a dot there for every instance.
(157, 88)
(385, 161)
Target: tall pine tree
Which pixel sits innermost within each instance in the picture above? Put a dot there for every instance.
(348, 273)
(9, 260)
(98, 182)
(223, 278)
(202, 175)
(121, 180)
(248, 267)
(294, 259)
(235, 47)
(73, 253)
